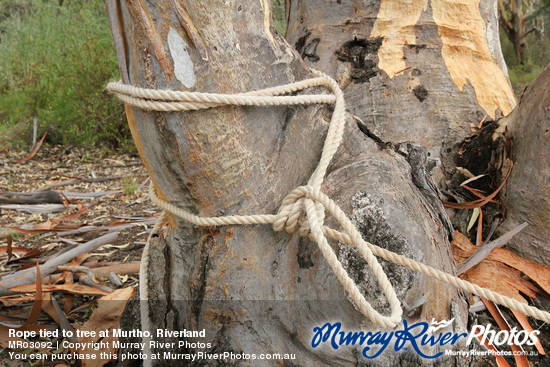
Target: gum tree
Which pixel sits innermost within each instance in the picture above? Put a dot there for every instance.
(419, 77)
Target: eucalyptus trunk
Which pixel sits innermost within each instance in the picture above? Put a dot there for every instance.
(417, 76)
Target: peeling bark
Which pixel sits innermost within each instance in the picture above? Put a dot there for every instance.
(417, 71)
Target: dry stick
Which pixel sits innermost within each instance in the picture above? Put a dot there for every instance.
(89, 229)
(34, 132)
(84, 280)
(82, 269)
(63, 321)
(25, 277)
(113, 278)
(48, 197)
(77, 181)
(37, 208)
(104, 271)
(89, 195)
(483, 251)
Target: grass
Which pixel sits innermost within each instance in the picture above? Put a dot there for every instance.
(129, 185)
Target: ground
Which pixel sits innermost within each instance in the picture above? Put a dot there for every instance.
(120, 200)
(128, 204)
(58, 164)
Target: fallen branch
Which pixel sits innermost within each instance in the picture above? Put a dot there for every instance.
(37, 209)
(89, 195)
(113, 278)
(82, 269)
(43, 197)
(28, 276)
(77, 181)
(84, 280)
(89, 229)
(104, 271)
(484, 250)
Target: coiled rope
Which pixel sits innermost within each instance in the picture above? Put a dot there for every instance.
(309, 198)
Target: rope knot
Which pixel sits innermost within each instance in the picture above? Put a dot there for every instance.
(292, 213)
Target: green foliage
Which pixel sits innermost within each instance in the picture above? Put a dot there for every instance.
(129, 186)
(12, 8)
(54, 64)
(279, 21)
(536, 58)
(537, 46)
(525, 73)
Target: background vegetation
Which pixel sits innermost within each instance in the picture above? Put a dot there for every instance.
(524, 36)
(56, 56)
(54, 64)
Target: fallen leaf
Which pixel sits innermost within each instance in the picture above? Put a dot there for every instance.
(70, 288)
(522, 319)
(480, 202)
(105, 317)
(519, 357)
(27, 158)
(7, 249)
(107, 254)
(10, 301)
(48, 307)
(33, 315)
(475, 215)
(116, 246)
(14, 250)
(501, 362)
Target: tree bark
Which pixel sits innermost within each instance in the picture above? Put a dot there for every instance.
(411, 71)
(256, 291)
(513, 21)
(528, 188)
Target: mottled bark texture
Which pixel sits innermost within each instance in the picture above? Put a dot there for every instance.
(423, 71)
(528, 188)
(414, 94)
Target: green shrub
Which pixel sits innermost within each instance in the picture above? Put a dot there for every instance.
(279, 21)
(54, 64)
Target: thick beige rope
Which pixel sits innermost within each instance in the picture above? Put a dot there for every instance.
(308, 198)
(144, 289)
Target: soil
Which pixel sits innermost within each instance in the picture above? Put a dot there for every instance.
(60, 164)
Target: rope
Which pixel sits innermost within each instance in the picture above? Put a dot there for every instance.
(308, 199)
(143, 286)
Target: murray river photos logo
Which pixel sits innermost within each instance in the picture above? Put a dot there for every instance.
(419, 336)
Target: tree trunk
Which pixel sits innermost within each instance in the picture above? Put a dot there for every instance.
(416, 81)
(428, 72)
(528, 188)
(513, 21)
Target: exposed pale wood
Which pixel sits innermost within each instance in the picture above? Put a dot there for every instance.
(28, 276)
(412, 71)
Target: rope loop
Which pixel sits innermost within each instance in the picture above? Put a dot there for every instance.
(315, 202)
